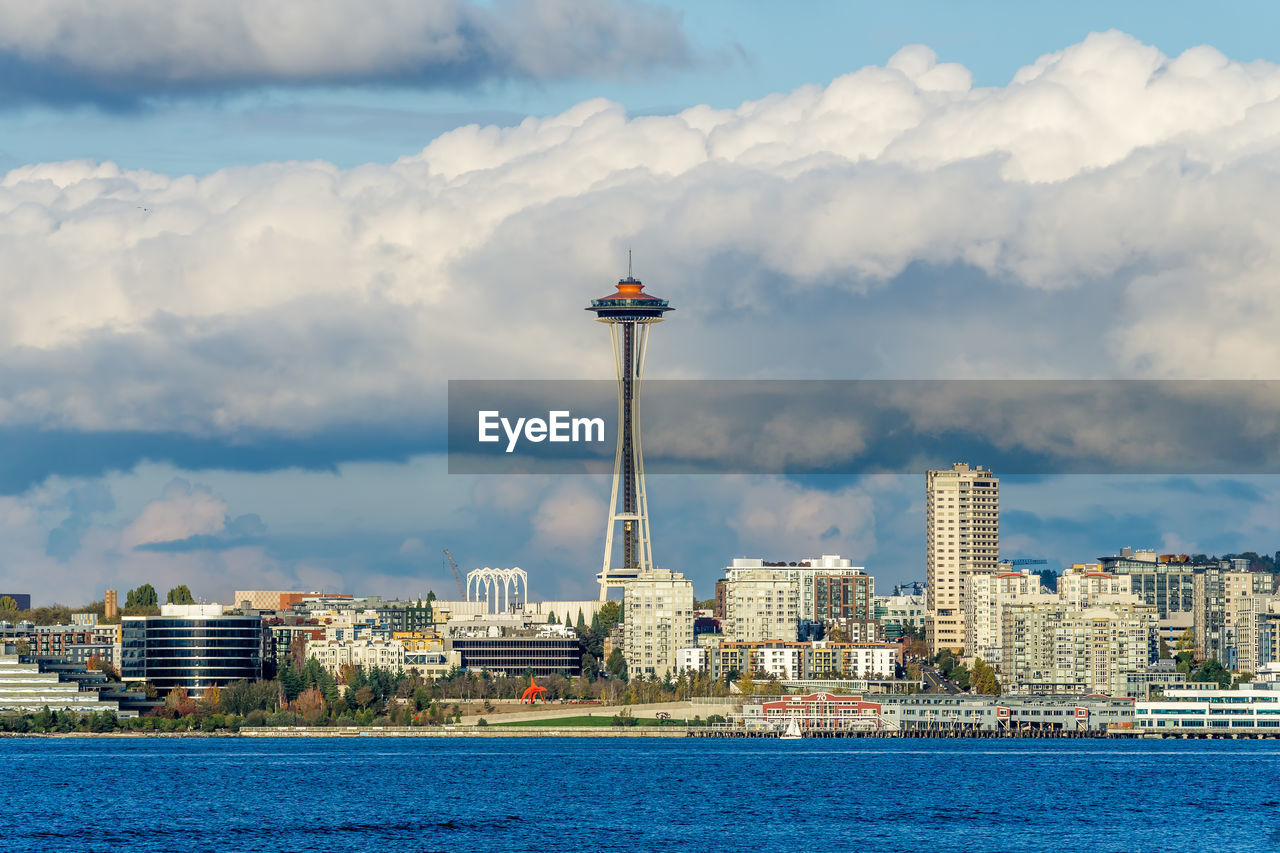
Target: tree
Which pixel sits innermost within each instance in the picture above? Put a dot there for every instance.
(945, 661)
(104, 666)
(311, 705)
(310, 672)
(610, 614)
(1186, 650)
(57, 614)
(747, 684)
(1048, 578)
(582, 622)
(211, 702)
(180, 595)
(1212, 670)
(616, 665)
(244, 697)
(984, 679)
(551, 618)
(178, 700)
(105, 721)
(290, 680)
(143, 596)
(8, 604)
(298, 652)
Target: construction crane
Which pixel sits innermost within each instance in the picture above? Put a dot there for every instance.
(457, 575)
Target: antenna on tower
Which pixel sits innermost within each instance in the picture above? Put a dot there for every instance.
(629, 262)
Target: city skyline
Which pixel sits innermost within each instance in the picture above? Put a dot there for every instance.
(959, 458)
(231, 375)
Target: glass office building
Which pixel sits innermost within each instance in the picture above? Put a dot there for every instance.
(192, 646)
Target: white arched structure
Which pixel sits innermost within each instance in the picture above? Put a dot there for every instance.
(494, 587)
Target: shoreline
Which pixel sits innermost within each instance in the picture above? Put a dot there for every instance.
(387, 731)
(703, 733)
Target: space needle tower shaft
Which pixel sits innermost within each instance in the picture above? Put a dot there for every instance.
(629, 312)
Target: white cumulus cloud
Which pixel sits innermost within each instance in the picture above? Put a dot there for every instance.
(1106, 213)
(182, 511)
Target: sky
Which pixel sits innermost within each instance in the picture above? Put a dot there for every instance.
(245, 245)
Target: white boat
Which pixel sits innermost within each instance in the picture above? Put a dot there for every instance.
(792, 731)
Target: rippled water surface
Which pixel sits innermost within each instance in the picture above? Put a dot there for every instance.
(637, 794)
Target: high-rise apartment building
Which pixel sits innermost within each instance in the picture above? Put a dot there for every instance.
(1167, 581)
(1266, 626)
(1246, 594)
(1085, 583)
(657, 608)
(761, 604)
(986, 595)
(768, 600)
(962, 538)
(896, 612)
(1209, 611)
(1050, 646)
(792, 660)
(844, 596)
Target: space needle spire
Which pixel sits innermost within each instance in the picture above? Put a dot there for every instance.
(629, 312)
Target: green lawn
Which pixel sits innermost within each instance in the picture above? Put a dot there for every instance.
(575, 722)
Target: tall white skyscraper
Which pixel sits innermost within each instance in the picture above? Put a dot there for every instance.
(657, 608)
(962, 537)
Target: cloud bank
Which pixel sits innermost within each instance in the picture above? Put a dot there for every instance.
(116, 53)
(1105, 214)
(67, 540)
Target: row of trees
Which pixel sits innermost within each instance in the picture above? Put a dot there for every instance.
(145, 598)
(312, 696)
(981, 679)
(141, 601)
(57, 614)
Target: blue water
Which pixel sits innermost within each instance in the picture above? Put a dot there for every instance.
(637, 795)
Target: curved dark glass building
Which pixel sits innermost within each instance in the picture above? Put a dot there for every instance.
(194, 646)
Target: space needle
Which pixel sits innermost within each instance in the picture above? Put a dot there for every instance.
(629, 312)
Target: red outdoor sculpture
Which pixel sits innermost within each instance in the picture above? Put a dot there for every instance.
(532, 692)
